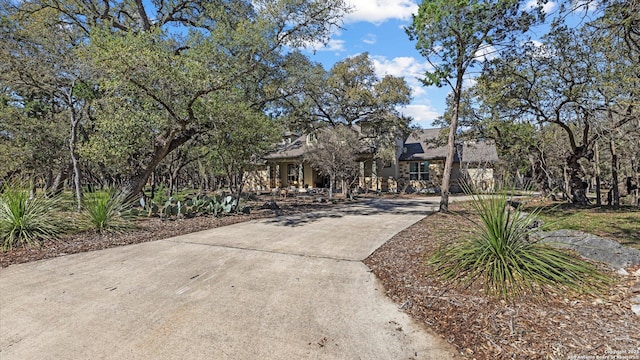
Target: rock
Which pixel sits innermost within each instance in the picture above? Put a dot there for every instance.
(637, 273)
(592, 247)
(622, 272)
(636, 309)
(635, 300)
(270, 205)
(635, 288)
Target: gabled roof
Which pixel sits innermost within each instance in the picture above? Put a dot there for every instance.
(298, 145)
(296, 148)
(421, 145)
(479, 152)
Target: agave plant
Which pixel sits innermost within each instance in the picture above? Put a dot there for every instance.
(502, 256)
(27, 219)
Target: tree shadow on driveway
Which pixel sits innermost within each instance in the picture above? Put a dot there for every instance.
(367, 207)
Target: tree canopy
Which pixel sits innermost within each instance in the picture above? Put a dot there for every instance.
(165, 70)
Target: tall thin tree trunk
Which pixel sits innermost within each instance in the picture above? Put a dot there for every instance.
(58, 182)
(332, 179)
(597, 172)
(566, 189)
(614, 174)
(635, 167)
(451, 146)
(73, 138)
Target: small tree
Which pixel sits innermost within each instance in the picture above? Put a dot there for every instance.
(334, 154)
(454, 36)
(242, 137)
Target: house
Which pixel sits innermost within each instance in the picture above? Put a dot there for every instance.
(417, 166)
(421, 160)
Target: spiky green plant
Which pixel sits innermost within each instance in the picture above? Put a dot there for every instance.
(502, 256)
(105, 210)
(26, 219)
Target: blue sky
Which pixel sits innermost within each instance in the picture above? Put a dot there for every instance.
(377, 27)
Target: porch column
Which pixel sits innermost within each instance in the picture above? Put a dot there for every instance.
(268, 179)
(374, 175)
(277, 182)
(300, 176)
(362, 182)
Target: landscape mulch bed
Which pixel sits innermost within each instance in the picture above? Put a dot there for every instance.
(145, 229)
(557, 326)
(554, 326)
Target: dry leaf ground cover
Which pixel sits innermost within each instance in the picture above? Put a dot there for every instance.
(556, 326)
(559, 326)
(147, 229)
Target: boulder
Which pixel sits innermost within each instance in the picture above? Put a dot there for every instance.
(592, 247)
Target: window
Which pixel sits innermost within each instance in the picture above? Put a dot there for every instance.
(419, 170)
(312, 139)
(292, 174)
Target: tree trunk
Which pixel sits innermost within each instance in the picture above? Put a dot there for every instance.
(597, 172)
(635, 167)
(576, 183)
(332, 179)
(615, 193)
(137, 182)
(451, 145)
(74, 156)
(566, 188)
(56, 185)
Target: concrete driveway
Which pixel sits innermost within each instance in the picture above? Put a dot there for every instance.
(292, 287)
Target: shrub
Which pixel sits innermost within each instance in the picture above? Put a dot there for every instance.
(26, 219)
(506, 261)
(105, 210)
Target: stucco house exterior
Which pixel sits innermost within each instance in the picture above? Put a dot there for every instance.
(417, 166)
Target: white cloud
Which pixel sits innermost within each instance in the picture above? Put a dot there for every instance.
(423, 115)
(468, 83)
(586, 6)
(407, 67)
(379, 11)
(486, 53)
(536, 43)
(335, 45)
(547, 8)
(370, 39)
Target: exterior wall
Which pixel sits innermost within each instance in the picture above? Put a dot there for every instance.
(436, 170)
(386, 172)
(481, 178)
(257, 180)
(310, 175)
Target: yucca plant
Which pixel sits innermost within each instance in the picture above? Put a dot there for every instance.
(27, 219)
(503, 257)
(105, 210)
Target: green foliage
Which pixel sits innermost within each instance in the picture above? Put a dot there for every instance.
(349, 93)
(25, 219)
(106, 210)
(452, 35)
(506, 261)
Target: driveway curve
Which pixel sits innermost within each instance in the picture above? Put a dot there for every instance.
(292, 287)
